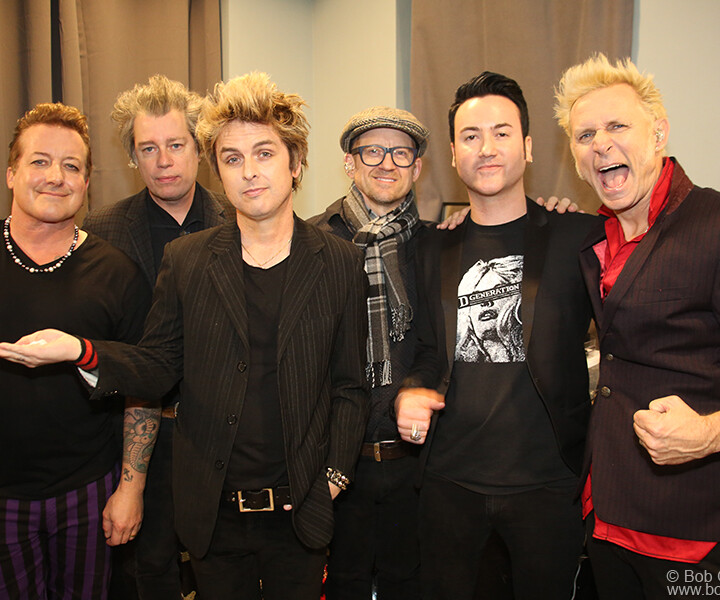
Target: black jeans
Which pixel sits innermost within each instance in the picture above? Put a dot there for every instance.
(148, 566)
(622, 574)
(542, 530)
(376, 534)
(157, 550)
(249, 547)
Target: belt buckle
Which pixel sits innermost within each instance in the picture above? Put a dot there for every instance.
(271, 500)
(376, 452)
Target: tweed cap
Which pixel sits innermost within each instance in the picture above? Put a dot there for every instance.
(384, 116)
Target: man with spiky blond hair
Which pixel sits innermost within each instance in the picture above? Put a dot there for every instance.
(264, 321)
(651, 496)
(156, 122)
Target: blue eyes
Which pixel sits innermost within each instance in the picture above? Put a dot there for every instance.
(41, 162)
(588, 135)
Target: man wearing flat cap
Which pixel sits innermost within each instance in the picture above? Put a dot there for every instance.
(375, 523)
(375, 541)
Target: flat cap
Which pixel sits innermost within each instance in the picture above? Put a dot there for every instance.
(384, 116)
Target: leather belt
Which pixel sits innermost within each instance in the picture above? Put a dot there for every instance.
(169, 412)
(381, 451)
(264, 500)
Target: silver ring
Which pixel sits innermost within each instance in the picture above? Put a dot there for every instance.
(415, 435)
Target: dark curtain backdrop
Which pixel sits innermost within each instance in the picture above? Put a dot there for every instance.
(85, 52)
(532, 41)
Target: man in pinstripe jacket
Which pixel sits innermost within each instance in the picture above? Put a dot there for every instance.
(651, 500)
(264, 320)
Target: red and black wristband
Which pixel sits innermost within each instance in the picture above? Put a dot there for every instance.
(87, 361)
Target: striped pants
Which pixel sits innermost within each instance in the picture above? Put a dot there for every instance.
(55, 548)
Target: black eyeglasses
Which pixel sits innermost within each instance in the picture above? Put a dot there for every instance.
(372, 156)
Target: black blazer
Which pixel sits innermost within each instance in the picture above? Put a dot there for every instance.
(197, 329)
(659, 333)
(555, 317)
(126, 225)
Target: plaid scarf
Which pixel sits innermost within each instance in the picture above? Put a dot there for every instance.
(389, 312)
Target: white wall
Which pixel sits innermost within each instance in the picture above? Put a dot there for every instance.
(679, 42)
(341, 56)
(274, 36)
(352, 70)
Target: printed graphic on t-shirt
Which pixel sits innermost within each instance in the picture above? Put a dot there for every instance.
(489, 328)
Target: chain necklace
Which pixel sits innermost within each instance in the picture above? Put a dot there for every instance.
(262, 264)
(16, 258)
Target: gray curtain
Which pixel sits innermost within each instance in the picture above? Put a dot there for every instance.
(532, 41)
(101, 49)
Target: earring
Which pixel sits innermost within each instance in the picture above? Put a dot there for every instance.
(659, 135)
(349, 169)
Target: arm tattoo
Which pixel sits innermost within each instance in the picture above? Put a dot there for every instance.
(139, 433)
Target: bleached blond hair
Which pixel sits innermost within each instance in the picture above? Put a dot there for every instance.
(157, 97)
(597, 72)
(253, 98)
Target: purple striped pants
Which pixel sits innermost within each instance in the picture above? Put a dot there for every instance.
(55, 548)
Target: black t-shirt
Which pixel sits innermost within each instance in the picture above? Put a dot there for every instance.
(495, 434)
(53, 438)
(164, 228)
(258, 455)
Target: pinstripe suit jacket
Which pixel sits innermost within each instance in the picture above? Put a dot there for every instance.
(126, 225)
(197, 329)
(659, 331)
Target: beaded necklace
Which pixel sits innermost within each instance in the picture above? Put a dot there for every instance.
(16, 258)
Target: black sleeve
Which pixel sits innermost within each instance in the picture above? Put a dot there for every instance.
(430, 362)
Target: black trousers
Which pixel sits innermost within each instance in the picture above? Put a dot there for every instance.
(622, 574)
(376, 534)
(248, 548)
(542, 530)
(157, 550)
(148, 567)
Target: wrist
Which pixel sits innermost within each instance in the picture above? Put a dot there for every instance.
(395, 405)
(713, 426)
(337, 478)
(132, 485)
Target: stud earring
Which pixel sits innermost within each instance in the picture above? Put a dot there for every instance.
(659, 135)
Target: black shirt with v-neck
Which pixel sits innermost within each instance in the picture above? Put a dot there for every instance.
(258, 455)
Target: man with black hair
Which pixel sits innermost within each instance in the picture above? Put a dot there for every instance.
(501, 322)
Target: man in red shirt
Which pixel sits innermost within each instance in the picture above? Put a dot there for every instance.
(652, 505)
